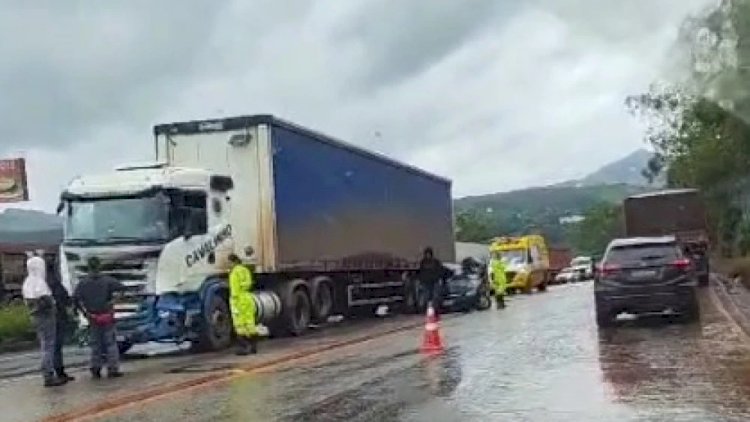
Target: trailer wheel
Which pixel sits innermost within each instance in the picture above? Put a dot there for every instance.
(123, 347)
(299, 313)
(322, 299)
(216, 333)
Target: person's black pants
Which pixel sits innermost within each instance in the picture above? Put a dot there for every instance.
(57, 354)
(432, 291)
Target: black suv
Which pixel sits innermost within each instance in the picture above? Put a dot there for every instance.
(643, 276)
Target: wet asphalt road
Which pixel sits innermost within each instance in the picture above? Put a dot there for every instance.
(542, 359)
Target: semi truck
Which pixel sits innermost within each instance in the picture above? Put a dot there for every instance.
(327, 227)
(678, 212)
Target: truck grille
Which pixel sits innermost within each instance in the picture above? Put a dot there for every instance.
(132, 273)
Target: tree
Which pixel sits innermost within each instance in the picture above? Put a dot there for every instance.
(600, 225)
(698, 127)
(472, 227)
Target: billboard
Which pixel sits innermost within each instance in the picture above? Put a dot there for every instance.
(13, 182)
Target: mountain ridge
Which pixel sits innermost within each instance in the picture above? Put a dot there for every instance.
(515, 210)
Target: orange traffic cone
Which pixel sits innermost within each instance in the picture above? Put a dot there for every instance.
(431, 342)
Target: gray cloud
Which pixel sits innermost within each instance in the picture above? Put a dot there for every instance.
(494, 96)
(75, 66)
(402, 39)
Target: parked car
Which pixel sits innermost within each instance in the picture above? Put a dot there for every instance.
(466, 291)
(566, 275)
(645, 276)
(583, 267)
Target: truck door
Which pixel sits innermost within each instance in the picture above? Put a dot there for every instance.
(232, 153)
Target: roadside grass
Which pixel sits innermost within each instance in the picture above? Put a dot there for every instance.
(15, 324)
(734, 266)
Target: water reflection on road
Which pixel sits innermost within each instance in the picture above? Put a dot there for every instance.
(543, 359)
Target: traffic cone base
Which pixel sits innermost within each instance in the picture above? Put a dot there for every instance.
(431, 341)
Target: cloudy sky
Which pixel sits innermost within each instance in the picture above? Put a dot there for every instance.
(495, 94)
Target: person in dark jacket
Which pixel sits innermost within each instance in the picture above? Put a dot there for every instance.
(93, 297)
(431, 272)
(62, 306)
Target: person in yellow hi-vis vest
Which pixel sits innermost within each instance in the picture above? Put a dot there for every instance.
(499, 281)
(242, 304)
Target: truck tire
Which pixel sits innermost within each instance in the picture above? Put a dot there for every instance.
(543, 285)
(527, 289)
(322, 299)
(123, 347)
(410, 295)
(298, 313)
(217, 330)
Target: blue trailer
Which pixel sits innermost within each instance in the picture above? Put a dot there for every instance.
(333, 228)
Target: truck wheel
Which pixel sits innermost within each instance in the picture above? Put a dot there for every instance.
(216, 333)
(299, 313)
(542, 287)
(123, 347)
(322, 299)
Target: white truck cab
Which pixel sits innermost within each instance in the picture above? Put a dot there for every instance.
(161, 231)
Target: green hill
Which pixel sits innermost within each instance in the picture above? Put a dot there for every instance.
(541, 209)
(536, 209)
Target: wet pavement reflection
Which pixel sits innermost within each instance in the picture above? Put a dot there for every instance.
(542, 359)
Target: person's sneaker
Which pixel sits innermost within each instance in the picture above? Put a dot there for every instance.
(114, 374)
(96, 374)
(54, 382)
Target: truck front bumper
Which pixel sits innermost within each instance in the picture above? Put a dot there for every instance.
(169, 318)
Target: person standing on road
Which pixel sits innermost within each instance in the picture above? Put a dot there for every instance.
(62, 307)
(38, 297)
(242, 304)
(431, 272)
(93, 297)
(499, 281)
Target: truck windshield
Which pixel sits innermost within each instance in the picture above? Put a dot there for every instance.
(514, 256)
(118, 219)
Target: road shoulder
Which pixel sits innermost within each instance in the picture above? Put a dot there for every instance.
(734, 298)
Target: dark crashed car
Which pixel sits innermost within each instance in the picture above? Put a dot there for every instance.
(464, 291)
(645, 276)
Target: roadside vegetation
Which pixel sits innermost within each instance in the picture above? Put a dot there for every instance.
(15, 324)
(699, 126)
(699, 129)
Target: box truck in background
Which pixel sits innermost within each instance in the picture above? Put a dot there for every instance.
(678, 212)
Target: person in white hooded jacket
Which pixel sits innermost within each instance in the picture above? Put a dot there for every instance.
(39, 299)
